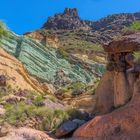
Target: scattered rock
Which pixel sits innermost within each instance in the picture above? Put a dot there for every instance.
(13, 99)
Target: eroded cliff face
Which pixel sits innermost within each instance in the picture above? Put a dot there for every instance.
(119, 90)
(123, 72)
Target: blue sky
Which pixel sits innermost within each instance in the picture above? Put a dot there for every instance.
(27, 15)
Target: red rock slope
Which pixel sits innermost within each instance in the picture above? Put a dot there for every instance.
(124, 122)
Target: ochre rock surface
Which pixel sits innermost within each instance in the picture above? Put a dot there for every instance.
(24, 133)
(16, 75)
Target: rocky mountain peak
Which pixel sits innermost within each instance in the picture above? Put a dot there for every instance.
(71, 12)
(68, 20)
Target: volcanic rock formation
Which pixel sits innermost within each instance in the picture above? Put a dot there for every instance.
(120, 87)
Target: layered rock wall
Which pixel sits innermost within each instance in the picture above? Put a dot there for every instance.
(45, 62)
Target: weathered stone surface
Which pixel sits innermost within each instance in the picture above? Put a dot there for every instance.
(121, 90)
(105, 94)
(127, 43)
(44, 38)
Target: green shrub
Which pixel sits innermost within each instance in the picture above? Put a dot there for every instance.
(136, 57)
(18, 113)
(135, 26)
(3, 30)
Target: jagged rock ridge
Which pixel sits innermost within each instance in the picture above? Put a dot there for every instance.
(100, 31)
(16, 75)
(69, 20)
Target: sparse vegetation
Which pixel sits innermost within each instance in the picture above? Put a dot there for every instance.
(41, 118)
(76, 42)
(32, 112)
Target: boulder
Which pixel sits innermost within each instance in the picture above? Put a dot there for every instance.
(66, 128)
(2, 110)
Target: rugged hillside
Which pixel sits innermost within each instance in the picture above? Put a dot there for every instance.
(50, 65)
